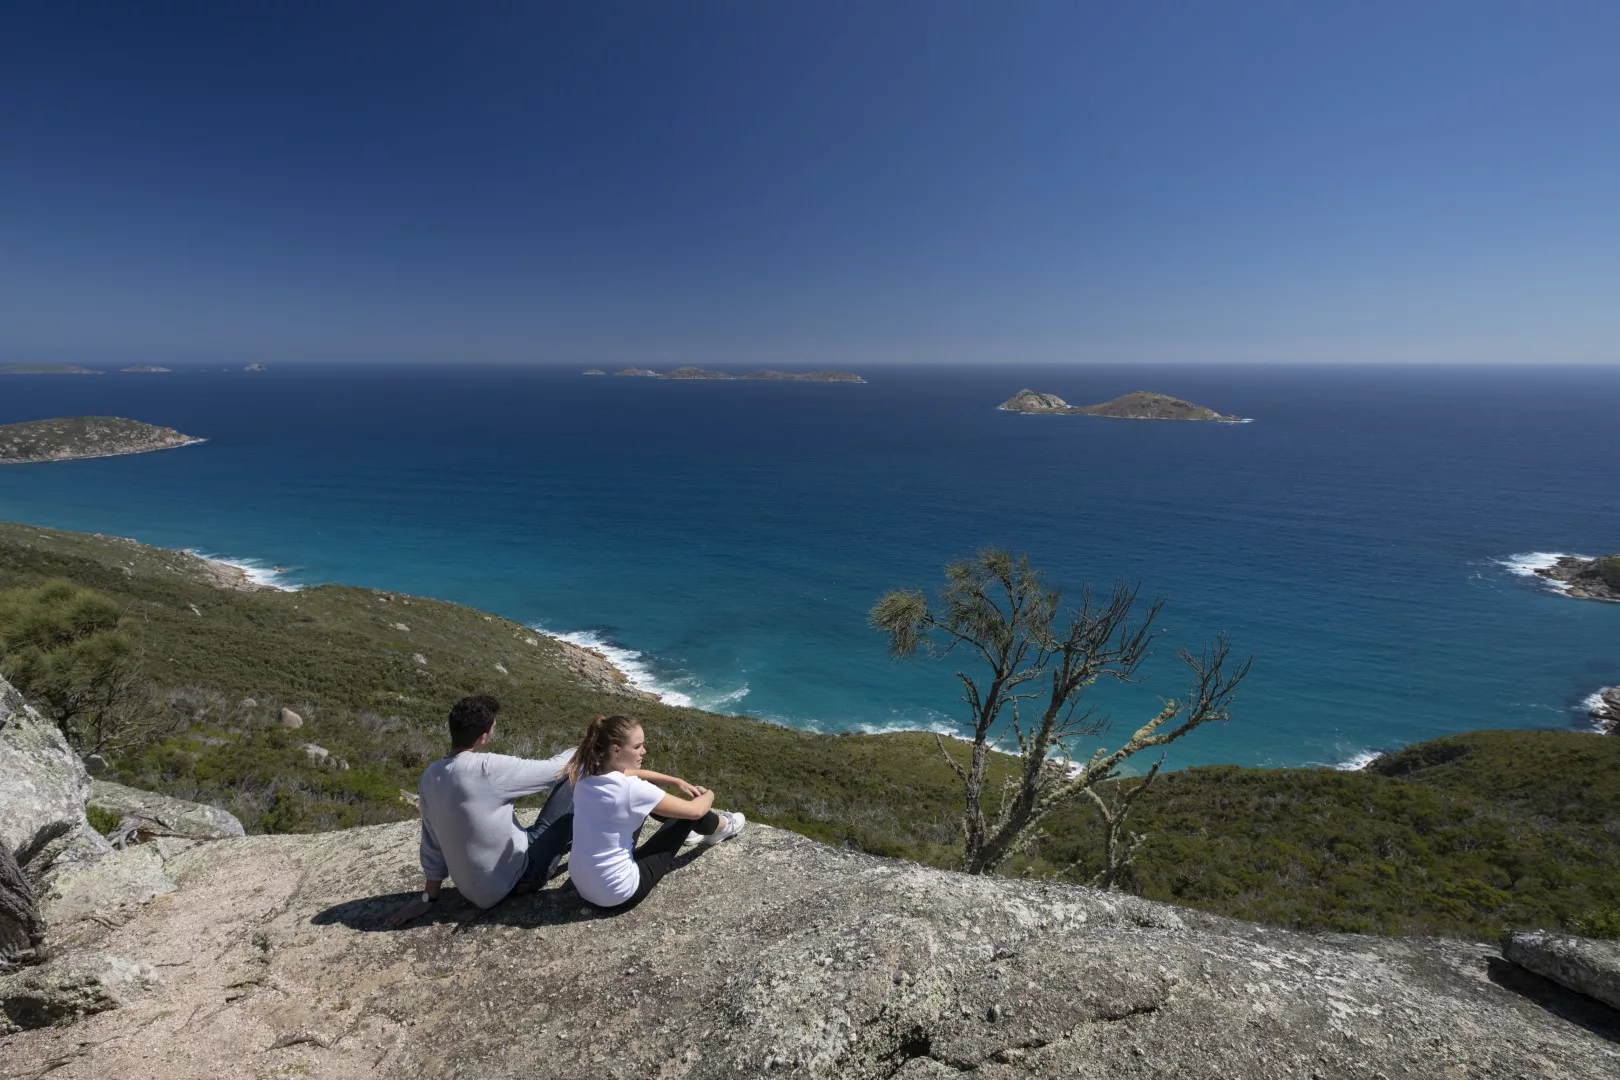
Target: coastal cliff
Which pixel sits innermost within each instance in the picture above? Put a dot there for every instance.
(1137, 405)
(76, 437)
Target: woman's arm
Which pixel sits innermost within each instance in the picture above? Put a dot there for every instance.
(675, 807)
(691, 791)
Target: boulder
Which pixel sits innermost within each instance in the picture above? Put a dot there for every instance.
(22, 933)
(96, 765)
(43, 784)
(290, 719)
(317, 754)
(105, 887)
(69, 988)
(1580, 964)
(160, 815)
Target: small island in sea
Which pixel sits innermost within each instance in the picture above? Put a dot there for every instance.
(594, 371)
(146, 369)
(255, 367)
(45, 369)
(74, 437)
(1137, 405)
(1585, 579)
(690, 372)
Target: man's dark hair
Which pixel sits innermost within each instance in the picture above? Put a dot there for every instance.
(471, 717)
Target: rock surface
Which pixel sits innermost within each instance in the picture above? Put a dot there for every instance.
(1585, 579)
(1605, 709)
(68, 988)
(106, 887)
(290, 719)
(76, 437)
(160, 815)
(43, 784)
(1583, 965)
(771, 955)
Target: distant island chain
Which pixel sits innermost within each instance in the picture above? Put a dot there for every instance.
(710, 374)
(1137, 405)
(76, 437)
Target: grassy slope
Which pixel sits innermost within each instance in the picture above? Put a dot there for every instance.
(1458, 836)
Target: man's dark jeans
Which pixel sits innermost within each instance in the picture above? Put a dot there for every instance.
(549, 837)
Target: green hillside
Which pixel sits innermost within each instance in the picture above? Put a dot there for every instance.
(1459, 836)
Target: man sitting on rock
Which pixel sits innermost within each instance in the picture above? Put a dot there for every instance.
(469, 832)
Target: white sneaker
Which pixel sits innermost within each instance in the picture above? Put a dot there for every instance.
(734, 825)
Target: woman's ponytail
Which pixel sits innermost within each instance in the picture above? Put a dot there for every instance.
(604, 732)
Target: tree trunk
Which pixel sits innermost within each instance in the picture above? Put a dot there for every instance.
(22, 934)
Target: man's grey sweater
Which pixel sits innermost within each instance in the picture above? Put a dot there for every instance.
(469, 831)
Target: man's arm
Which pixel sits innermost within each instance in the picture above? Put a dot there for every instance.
(513, 778)
(434, 872)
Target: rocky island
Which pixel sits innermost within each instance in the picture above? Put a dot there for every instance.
(74, 437)
(696, 373)
(146, 369)
(594, 371)
(1585, 579)
(255, 367)
(1137, 405)
(45, 369)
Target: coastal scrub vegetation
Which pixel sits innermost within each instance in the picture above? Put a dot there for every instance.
(1461, 836)
(69, 650)
(1038, 661)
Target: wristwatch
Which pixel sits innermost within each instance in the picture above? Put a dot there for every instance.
(429, 898)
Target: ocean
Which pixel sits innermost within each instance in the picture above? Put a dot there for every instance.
(1366, 538)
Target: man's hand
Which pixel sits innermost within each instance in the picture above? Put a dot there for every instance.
(413, 910)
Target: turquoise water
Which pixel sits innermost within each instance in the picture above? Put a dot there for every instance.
(725, 540)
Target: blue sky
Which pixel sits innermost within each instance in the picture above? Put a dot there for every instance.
(817, 183)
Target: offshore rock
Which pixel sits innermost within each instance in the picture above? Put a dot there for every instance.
(43, 784)
(161, 815)
(1581, 964)
(68, 988)
(774, 956)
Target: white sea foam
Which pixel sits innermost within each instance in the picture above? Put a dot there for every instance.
(1527, 563)
(1590, 708)
(635, 665)
(1358, 761)
(255, 571)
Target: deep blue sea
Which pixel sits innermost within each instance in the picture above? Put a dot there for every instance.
(727, 539)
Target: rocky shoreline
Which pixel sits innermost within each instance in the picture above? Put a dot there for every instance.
(1585, 579)
(1604, 709)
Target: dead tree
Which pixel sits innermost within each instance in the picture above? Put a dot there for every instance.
(1037, 662)
(22, 933)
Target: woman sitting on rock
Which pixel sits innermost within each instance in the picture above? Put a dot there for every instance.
(613, 797)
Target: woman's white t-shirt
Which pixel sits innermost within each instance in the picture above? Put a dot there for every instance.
(608, 812)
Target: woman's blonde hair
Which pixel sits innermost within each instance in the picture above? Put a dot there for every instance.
(603, 734)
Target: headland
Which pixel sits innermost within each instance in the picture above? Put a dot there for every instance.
(1584, 579)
